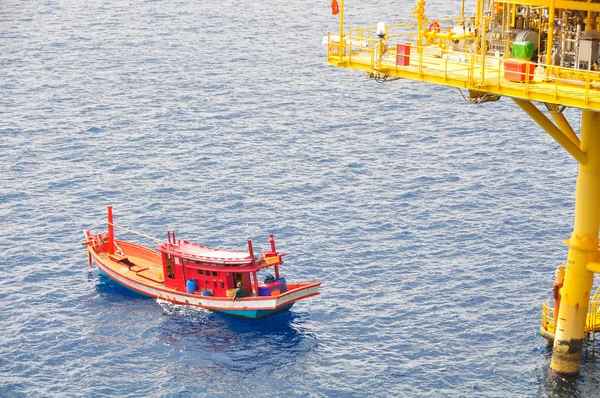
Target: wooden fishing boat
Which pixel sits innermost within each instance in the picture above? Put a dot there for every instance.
(190, 274)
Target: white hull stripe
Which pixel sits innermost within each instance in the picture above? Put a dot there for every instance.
(212, 303)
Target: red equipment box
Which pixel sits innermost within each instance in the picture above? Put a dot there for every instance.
(403, 54)
(517, 70)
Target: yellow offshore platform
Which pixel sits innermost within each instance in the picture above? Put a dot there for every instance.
(529, 50)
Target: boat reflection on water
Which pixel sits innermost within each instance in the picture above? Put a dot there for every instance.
(201, 339)
(112, 290)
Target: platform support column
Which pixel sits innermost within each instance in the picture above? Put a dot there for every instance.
(583, 248)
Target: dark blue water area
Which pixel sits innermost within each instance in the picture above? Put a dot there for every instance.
(434, 225)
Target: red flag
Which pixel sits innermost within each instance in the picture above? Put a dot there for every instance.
(335, 8)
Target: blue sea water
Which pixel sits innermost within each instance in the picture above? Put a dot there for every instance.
(434, 225)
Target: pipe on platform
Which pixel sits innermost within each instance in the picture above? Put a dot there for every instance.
(420, 17)
(554, 131)
(559, 280)
(547, 335)
(549, 43)
(593, 267)
(446, 36)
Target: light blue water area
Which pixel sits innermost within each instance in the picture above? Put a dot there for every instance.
(434, 225)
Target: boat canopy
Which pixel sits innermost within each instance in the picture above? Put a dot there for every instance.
(203, 254)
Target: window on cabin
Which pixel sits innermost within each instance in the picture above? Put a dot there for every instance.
(200, 272)
(237, 277)
(207, 273)
(170, 269)
(215, 284)
(222, 285)
(215, 273)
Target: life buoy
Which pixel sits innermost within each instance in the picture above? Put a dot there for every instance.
(435, 26)
(335, 8)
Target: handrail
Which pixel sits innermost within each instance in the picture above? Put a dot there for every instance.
(591, 323)
(548, 317)
(582, 87)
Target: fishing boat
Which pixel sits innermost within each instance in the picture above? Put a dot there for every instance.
(186, 273)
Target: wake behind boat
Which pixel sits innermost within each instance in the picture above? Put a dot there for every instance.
(190, 274)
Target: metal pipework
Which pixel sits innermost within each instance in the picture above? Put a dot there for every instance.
(549, 43)
(559, 279)
(446, 36)
(420, 17)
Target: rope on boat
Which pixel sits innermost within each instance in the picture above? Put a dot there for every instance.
(137, 233)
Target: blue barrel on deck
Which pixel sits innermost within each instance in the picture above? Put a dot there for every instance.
(283, 284)
(191, 286)
(206, 293)
(264, 290)
(275, 286)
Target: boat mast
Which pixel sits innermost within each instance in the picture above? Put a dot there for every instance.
(272, 242)
(111, 232)
(251, 252)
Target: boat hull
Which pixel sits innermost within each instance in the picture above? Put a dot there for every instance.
(247, 307)
(256, 314)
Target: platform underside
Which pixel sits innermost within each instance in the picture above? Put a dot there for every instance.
(470, 71)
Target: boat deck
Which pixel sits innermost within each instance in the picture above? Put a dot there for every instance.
(144, 270)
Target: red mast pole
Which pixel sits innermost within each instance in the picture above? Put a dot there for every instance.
(111, 232)
(255, 283)
(251, 250)
(272, 242)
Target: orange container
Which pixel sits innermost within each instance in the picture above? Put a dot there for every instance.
(275, 293)
(517, 70)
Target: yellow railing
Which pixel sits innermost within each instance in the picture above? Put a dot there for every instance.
(592, 321)
(548, 317)
(432, 62)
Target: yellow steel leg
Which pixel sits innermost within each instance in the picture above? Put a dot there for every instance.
(563, 123)
(559, 136)
(583, 248)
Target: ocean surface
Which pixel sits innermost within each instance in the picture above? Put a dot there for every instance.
(435, 225)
